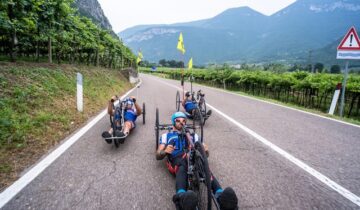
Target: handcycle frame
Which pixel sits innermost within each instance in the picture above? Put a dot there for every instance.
(120, 109)
(200, 110)
(199, 176)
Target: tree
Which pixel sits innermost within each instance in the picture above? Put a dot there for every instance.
(319, 67)
(162, 62)
(335, 69)
(39, 27)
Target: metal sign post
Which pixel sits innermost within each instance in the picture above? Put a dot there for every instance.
(349, 49)
(343, 89)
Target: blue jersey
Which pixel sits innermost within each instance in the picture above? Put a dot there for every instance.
(130, 115)
(180, 144)
(189, 105)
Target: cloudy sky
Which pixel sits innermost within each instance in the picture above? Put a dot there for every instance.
(123, 14)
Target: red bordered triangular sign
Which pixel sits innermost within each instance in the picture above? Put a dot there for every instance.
(350, 41)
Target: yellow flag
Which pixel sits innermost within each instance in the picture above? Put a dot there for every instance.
(180, 45)
(190, 63)
(139, 58)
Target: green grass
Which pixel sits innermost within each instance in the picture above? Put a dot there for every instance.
(38, 108)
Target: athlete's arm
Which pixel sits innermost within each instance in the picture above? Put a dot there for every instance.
(110, 106)
(138, 109)
(163, 150)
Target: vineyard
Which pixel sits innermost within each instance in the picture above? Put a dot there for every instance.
(300, 88)
(38, 30)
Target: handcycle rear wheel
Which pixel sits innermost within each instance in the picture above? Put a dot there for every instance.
(143, 113)
(157, 129)
(178, 101)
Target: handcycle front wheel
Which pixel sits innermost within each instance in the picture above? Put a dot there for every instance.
(202, 107)
(198, 124)
(116, 142)
(113, 125)
(203, 185)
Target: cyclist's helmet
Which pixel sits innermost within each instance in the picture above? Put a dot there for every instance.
(177, 115)
(128, 102)
(187, 94)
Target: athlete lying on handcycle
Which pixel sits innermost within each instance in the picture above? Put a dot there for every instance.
(190, 104)
(174, 147)
(131, 111)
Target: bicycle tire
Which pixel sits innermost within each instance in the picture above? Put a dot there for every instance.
(143, 113)
(203, 110)
(204, 186)
(116, 141)
(198, 124)
(177, 101)
(157, 129)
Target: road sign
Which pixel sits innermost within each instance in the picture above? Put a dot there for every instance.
(349, 47)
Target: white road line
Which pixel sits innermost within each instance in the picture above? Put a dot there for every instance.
(275, 104)
(324, 179)
(21, 183)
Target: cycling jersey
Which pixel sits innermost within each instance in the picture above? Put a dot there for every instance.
(130, 115)
(189, 105)
(174, 138)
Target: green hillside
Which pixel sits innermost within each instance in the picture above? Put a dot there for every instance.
(38, 108)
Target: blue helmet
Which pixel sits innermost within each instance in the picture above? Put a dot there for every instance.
(128, 101)
(177, 115)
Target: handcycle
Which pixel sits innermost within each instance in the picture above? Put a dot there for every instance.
(199, 176)
(118, 125)
(200, 98)
(200, 113)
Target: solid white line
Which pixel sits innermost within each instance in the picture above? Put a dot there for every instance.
(324, 179)
(17, 186)
(275, 104)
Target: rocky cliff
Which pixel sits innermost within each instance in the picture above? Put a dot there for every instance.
(92, 10)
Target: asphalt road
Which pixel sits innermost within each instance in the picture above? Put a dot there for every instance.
(95, 175)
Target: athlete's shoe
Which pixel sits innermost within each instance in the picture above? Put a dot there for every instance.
(227, 199)
(106, 135)
(186, 200)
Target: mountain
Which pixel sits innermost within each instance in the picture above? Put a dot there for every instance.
(92, 10)
(327, 55)
(243, 35)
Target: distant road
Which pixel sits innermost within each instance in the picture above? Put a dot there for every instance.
(95, 175)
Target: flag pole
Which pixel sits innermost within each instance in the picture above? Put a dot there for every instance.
(182, 76)
(183, 79)
(181, 48)
(191, 78)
